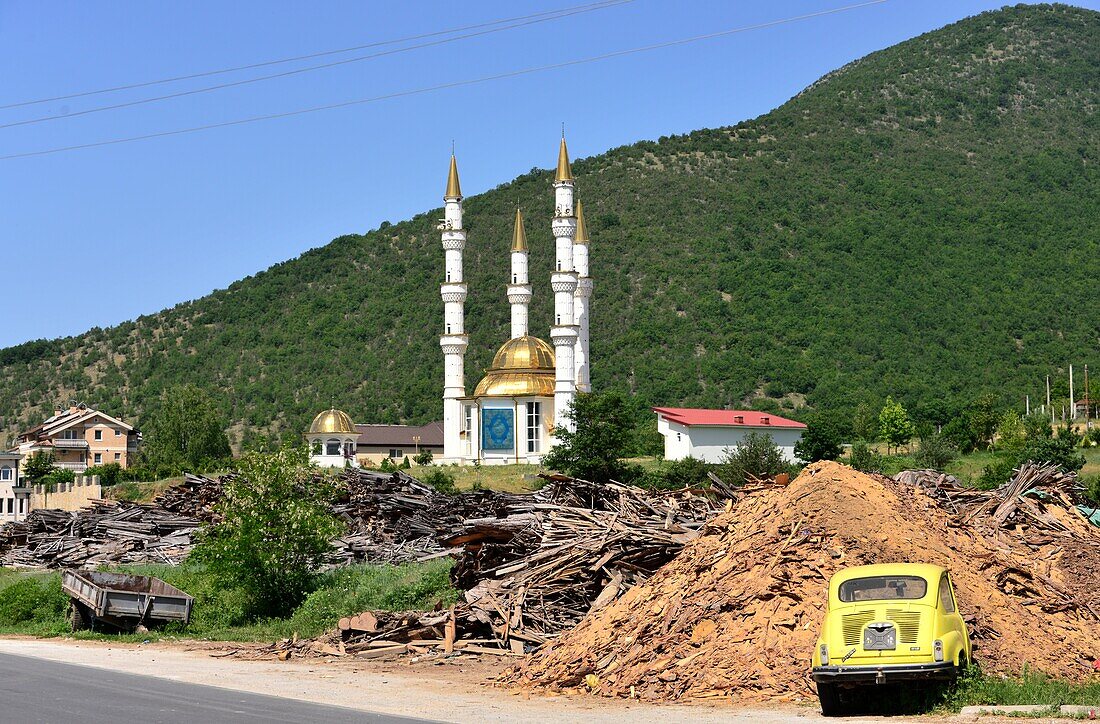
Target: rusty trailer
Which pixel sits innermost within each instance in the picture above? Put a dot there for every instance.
(122, 601)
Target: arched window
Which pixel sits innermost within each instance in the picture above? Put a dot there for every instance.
(332, 447)
(349, 449)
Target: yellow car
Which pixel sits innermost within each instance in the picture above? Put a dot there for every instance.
(887, 623)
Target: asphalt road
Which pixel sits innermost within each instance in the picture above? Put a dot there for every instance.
(38, 690)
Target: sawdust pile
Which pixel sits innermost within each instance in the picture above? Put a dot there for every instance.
(737, 612)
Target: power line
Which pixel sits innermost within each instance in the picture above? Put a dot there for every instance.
(310, 56)
(453, 84)
(311, 68)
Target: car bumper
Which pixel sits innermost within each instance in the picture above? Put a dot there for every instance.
(872, 674)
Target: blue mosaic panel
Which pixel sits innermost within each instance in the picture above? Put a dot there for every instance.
(497, 429)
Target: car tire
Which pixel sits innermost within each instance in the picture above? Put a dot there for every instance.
(77, 620)
(829, 696)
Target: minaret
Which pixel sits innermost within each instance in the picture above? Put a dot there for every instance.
(519, 290)
(454, 340)
(581, 360)
(564, 282)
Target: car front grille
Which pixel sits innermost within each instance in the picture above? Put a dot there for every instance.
(852, 625)
(908, 623)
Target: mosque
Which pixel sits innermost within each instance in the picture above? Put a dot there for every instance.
(523, 397)
(515, 408)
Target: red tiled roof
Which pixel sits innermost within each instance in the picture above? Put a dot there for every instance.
(431, 435)
(725, 418)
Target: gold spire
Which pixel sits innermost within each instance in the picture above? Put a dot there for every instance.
(565, 172)
(519, 236)
(581, 236)
(454, 191)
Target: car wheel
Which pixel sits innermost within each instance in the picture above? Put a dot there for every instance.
(829, 696)
(76, 618)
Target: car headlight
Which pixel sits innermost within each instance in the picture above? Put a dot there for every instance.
(937, 650)
(824, 654)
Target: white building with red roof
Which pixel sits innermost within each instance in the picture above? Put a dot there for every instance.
(707, 434)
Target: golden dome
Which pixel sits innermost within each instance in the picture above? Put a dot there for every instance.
(333, 421)
(522, 367)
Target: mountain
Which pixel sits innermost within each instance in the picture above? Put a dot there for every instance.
(922, 222)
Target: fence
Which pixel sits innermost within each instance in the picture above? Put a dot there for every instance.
(67, 496)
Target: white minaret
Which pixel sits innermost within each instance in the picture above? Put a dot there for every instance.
(564, 283)
(581, 360)
(454, 340)
(519, 290)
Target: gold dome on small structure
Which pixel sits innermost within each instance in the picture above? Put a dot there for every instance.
(522, 367)
(333, 421)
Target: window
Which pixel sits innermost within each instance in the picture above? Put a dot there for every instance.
(515, 278)
(22, 505)
(396, 452)
(332, 447)
(11, 505)
(534, 423)
(118, 457)
(99, 434)
(118, 433)
(98, 458)
(315, 447)
(5, 473)
(946, 601)
(883, 588)
(69, 435)
(349, 449)
(468, 417)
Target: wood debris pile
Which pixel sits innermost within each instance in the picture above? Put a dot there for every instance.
(104, 532)
(195, 497)
(737, 612)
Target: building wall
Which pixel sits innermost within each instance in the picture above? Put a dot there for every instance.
(68, 496)
(710, 443)
(517, 452)
(111, 447)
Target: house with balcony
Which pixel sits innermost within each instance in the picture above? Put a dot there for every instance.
(79, 438)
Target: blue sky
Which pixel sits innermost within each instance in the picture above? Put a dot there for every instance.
(98, 236)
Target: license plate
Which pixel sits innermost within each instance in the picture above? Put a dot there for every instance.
(880, 637)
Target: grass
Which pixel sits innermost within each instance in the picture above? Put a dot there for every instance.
(1028, 688)
(33, 603)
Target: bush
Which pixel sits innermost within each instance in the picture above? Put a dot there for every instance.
(57, 476)
(864, 459)
(996, 474)
(275, 530)
(34, 601)
(109, 474)
(405, 464)
(1092, 490)
(424, 458)
(757, 457)
(687, 473)
(935, 452)
(604, 436)
(442, 481)
(822, 440)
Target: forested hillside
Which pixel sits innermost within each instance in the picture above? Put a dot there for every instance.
(922, 223)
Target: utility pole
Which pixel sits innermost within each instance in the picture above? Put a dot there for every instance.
(1027, 405)
(1072, 406)
(1050, 406)
(1088, 410)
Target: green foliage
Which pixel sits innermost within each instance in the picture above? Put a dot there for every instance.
(976, 688)
(865, 424)
(892, 229)
(424, 458)
(757, 457)
(185, 433)
(648, 441)
(863, 458)
(935, 452)
(57, 476)
(1092, 490)
(604, 436)
(822, 440)
(33, 604)
(1011, 435)
(274, 530)
(405, 464)
(38, 465)
(109, 474)
(672, 475)
(441, 480)
(894, 425)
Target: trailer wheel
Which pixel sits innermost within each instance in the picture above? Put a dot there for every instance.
(77, 620)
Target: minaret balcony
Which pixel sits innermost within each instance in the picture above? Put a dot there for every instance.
(519, 293)
(454, 343)
(454, 239)
(563, 282)
(564, 226)
(584, 287)
(453, 292)
(564, 335)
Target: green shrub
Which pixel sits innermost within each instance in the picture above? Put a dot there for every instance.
(757, 457)
(441, 480)
(34, 602)
(996, 474)
(424, 458)
(57, 476)
(109, 474)
(935, 452)
(864, 459)
(1092, 489)
(687, 473)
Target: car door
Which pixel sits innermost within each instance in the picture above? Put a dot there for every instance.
(951, 611)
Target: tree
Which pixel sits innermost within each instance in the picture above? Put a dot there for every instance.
(273, 530)
(424, 458)
(865, 422)
(894, 424)
(187, 432)
(38, 465)
(757, 457)
(604, 436)
(935, 452)
(982, 417)
(822, 440)
(1011, 435)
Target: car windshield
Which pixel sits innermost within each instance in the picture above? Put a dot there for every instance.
(883, 588)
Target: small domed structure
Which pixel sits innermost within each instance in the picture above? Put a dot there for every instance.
(332, 439)
(522, 367)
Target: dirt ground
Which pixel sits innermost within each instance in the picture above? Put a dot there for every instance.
(461, 690)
